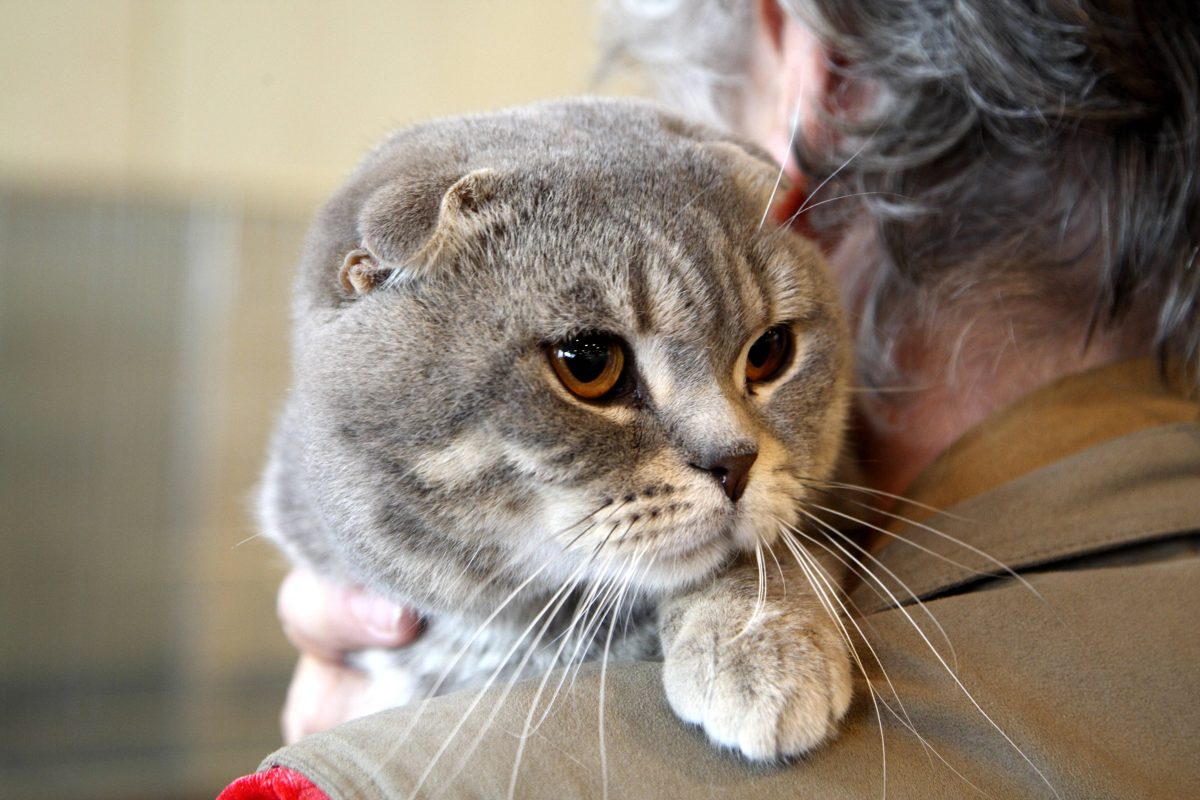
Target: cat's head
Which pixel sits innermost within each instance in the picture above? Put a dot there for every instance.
(559, 342)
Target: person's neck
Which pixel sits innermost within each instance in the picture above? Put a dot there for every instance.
(900, 435)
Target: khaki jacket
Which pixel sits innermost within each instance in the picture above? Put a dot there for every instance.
(1080, 679)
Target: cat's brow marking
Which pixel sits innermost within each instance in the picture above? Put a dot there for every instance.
(655, 366)
(640, 297)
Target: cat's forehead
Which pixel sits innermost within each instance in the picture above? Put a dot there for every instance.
(593, 216)
(643, 269)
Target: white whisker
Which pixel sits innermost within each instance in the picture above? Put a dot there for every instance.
(760, 602)
(795, 127)
(799, 555)
(587, 611)
(808, 207)
(902, 717)
(528, 728)
(805, 205)
(549, 610)
(950, 671)
(853, 487)
(1000, 564)
(837, 535)
(604, 674)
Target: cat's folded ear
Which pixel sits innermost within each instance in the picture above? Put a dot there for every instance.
(409, 228)
(752, 168)
(361, 272)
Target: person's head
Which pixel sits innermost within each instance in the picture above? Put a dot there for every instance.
(1021, 176)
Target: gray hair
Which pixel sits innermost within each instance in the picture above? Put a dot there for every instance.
(696, 54)
(1048, 150)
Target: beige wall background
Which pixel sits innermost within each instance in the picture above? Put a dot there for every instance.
(159, 160)
(263, 98)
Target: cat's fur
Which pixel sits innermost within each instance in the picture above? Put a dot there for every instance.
(429, 452)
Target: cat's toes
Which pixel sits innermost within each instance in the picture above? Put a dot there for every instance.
(771, 692)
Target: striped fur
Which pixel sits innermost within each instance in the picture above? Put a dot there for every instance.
(427, 449)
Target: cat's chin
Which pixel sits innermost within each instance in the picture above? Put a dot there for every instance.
(682, 566)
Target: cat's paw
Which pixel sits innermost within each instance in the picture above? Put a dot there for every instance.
(770, 686)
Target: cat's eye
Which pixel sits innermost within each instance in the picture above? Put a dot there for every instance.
(591, 366)
(769, 354)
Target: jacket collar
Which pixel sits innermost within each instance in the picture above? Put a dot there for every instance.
(1097, 461)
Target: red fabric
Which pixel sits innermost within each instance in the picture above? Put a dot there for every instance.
(277, 783)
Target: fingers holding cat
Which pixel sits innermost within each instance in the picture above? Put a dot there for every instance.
(326, 622)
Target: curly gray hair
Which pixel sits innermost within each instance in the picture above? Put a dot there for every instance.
(1048, 150)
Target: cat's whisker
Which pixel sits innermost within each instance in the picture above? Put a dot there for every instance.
(594, 604)
(809, 207)
(550, 611)
(853, 567)
(1007, 570)
(614, 614)
(587, 611)
(576, 659)
(491, 579)
(930, 529)
(902, 716)
(479, 630)
(593, 525)
(854, 487)
(936, 654)
(795, 127)
(838, 171)
(800, 556)
(606, 504)
(607, 538)
(762, 579)
(760, 602)
(856, 567)
(589, 616)
(779, 567)
(877, 698)
(595, 619)
(836, 537)
(703, 191)
(874, 510)
(805, 206)
(528, 727)
(461, 577)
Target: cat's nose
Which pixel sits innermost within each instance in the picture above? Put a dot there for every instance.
(732, 472)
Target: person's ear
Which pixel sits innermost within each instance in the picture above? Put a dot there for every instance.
(808, 92)
(770, 16)
(797, 64)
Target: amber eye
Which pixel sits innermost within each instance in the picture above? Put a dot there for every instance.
(769, 354)
(591, 366)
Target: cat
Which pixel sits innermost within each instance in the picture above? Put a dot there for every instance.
(559, 388)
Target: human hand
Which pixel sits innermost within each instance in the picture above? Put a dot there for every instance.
(326, 622)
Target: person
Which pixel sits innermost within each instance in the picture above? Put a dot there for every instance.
(1009, 196)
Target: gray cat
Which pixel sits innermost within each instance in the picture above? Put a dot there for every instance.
(559, 389)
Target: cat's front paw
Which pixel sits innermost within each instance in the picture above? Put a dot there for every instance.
(771, 685)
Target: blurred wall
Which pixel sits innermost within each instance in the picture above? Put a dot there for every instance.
(265, 98)
(159, 160)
